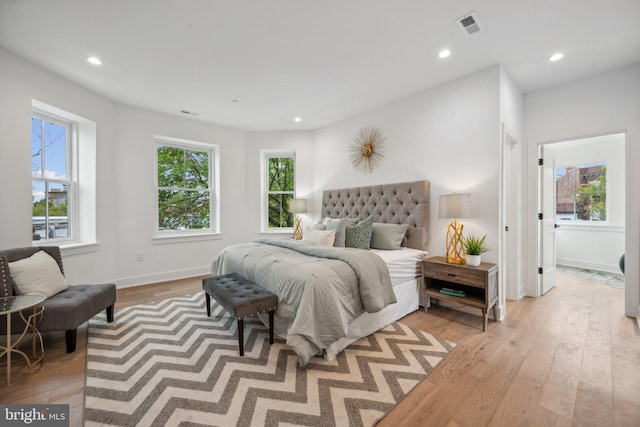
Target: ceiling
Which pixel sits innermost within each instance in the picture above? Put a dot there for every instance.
(256, 64)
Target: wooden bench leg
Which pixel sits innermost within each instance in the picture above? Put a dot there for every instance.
(110, 313)
(70, 336)
(271, 327)
(241, 336)
(208, 304)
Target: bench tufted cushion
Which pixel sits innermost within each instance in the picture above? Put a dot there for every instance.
(78, 303)
(239, 296)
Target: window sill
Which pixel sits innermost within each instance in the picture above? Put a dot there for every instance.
(589, 227)
(184, 238)
(71, 249)
(277, 232)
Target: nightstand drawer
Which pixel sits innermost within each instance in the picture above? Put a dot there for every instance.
(462, 276)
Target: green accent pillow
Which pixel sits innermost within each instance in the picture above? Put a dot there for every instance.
(387, 236)
(359, 235)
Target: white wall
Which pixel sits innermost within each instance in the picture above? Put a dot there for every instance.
(20, 82)
(125, 179)
(134, 204)
(448, 135)
(602, 104)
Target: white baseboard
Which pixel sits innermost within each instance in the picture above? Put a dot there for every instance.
(589, 265)
(128, 282)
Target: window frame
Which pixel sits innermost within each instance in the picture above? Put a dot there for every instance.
(213, 151)
(71, 173)
(583, 222)
(265, 155)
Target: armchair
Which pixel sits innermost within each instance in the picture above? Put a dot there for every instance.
(64, 311)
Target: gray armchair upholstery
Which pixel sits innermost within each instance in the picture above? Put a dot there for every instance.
(64, 311)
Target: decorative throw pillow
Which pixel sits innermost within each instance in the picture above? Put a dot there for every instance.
(322, 237)
(387, 236)
(340, 225)
(37, 275)
(359, 235)
(319, 227)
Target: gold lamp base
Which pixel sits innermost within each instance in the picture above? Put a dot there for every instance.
(297, 228)
(455, 248)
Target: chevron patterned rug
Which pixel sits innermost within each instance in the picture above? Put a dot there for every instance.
(167, 363)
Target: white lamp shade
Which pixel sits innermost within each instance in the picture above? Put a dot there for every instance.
(297, 206)
(456, 205)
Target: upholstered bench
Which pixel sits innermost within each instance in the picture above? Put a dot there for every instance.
(64, 311)
(242, 299)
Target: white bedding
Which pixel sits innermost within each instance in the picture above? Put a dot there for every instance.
(404, 264)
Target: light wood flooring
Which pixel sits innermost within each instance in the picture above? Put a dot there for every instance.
(568, 358)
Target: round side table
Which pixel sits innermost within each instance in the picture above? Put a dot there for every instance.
(22, 304)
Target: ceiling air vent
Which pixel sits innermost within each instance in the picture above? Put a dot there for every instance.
(470, 24)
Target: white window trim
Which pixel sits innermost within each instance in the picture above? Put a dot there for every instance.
(177, 236)
(83, 173)
(266, 154)
(71, 145)
(583, 223)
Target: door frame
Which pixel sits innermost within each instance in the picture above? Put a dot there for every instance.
(538, 248)
(511, 233)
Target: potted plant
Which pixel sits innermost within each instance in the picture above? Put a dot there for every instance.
(475, 247)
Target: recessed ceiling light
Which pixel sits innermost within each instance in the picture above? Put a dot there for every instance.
(556, 57)
(297, 119)
(444, 53)
(94, 60)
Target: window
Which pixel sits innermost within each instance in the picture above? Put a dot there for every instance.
(278, 184)
(581, 192)
(185, 193)
(52, 175)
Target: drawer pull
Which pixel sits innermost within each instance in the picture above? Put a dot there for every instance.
(451, 275)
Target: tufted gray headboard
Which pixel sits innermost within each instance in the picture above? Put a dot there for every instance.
(401, 203)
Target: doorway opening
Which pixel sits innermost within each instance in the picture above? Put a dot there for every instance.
(581, 221)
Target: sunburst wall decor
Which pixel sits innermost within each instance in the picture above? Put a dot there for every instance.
(366, 149)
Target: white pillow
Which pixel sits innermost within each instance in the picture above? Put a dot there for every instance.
(37, 275)
(322, 237)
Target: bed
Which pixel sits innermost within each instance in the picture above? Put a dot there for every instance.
(330, 297)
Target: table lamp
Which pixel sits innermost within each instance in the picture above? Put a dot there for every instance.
(456, 205)
(297, 206)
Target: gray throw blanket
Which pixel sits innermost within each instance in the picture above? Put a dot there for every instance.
(320, 289)
(372, 273)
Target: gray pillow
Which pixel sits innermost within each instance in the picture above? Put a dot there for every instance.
(340, 225)
(387, 236)
(319, 227)
(359, 235)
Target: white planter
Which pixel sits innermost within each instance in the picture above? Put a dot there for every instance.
(473, 260)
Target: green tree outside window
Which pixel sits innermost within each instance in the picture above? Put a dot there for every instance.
(281, 176)
(184, 196)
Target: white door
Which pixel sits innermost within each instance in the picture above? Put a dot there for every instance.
(547, 225)
(509, 265)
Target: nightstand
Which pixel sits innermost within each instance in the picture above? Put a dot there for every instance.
(478, 284)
